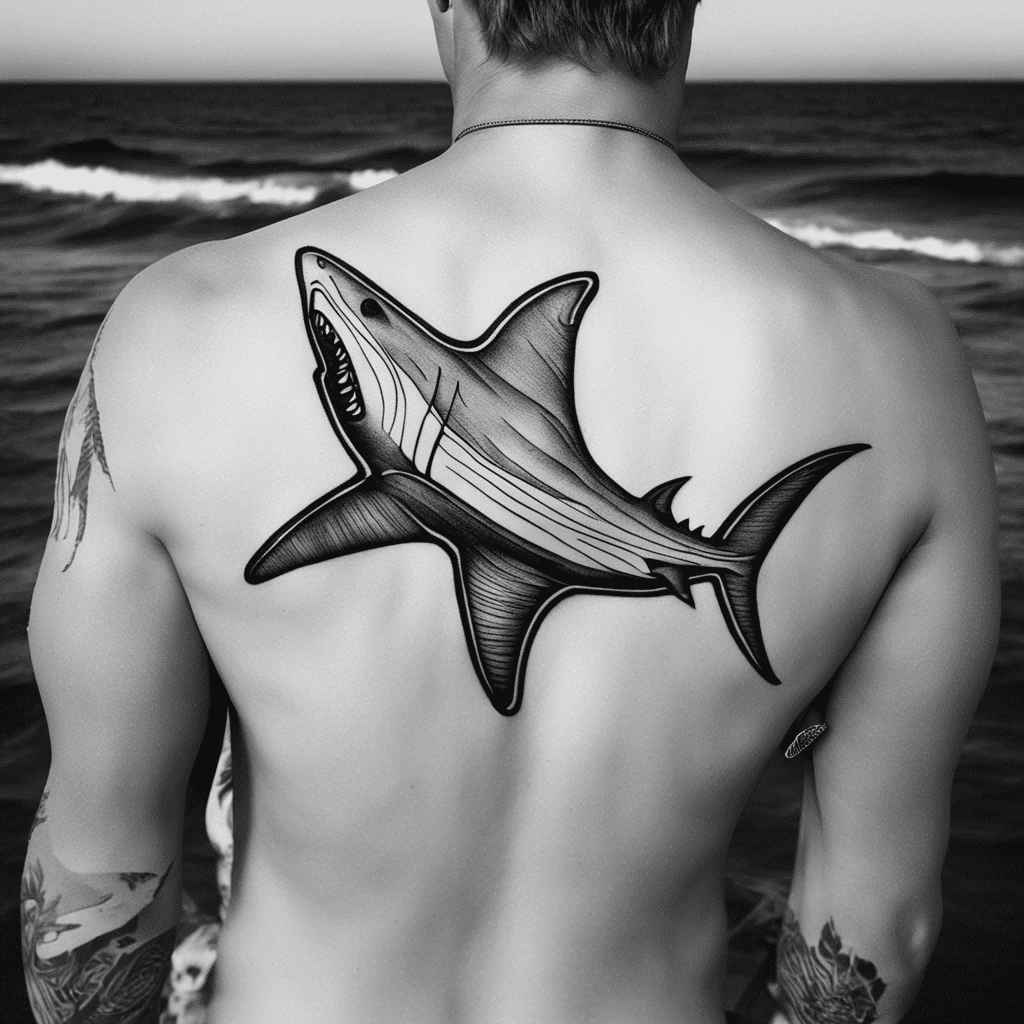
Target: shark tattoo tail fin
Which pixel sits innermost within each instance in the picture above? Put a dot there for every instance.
(750, 530)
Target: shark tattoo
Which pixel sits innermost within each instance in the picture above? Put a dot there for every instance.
(475, 446)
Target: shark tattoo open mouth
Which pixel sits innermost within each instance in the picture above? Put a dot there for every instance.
(475, 446)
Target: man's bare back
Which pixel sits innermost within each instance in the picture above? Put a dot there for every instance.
(488, 758)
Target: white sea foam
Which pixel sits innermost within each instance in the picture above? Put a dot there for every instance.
(130, 186)
(367, 179)
(963, 250)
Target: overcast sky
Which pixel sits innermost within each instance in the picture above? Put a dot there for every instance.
(341, 39)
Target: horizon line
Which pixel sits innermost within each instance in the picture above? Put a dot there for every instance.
(200, 80)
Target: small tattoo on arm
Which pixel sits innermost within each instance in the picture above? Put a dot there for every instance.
(71, 496)
(804, 739)
(40, 812)
(824, 985)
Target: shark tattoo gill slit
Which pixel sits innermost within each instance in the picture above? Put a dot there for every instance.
(475, 446)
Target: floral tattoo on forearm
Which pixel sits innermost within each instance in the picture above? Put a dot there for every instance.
(824, 985)
(81, 428)
(96, 947)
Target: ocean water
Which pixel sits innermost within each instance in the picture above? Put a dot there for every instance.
(97, 181)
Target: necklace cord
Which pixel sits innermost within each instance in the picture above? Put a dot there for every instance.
(583, 121)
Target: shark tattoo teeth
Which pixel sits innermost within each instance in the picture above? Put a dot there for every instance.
(475, 446)
(337, 358)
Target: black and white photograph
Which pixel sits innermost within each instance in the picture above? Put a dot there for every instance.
(512, 512)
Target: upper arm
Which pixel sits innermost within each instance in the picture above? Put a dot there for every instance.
(901, 706)
(877, 800)
(119, 662)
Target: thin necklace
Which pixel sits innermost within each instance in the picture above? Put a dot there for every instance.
(588, 122)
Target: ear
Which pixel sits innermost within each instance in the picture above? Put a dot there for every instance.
(440, 14)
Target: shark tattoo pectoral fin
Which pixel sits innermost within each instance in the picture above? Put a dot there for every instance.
(355, 517)
(500, 598)
(502, 602)
(475, 446)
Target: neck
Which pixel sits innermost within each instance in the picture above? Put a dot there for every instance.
(487, 92)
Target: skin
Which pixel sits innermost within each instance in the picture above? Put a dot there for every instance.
(402, 852)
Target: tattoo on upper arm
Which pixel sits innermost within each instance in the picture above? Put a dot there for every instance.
(81, 429)
(96, 948)
(824, 985)
(220, 820)
(40, 812)
(476, 446)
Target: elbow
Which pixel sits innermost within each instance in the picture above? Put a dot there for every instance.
(889, 942)
(916, 932)
(913, 933)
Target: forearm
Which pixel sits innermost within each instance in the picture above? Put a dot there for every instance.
(822, 982)
(824, 977)
(857, 933)
(854, 942)
(96, 946)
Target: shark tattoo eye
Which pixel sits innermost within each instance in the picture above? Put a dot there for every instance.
(372, 308)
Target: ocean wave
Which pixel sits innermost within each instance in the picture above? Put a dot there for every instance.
(132, 187)
(963, 250)
(360, 180)
(330, 158)
(916, 189)
(97, 151)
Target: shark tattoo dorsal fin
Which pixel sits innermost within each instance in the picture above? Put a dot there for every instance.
(534, 349)
(474, 445)
(660, 498)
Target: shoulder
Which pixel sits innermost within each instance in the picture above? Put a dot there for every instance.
(177, 313)
(843, 346)
(919, 390)
(911, 338)
(178, 332)
(923, 370)
(166, 312)
(880, 322)
(167, 299)
(776, 287)
(821, 289)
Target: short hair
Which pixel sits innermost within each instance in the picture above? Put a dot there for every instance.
(640, 37)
